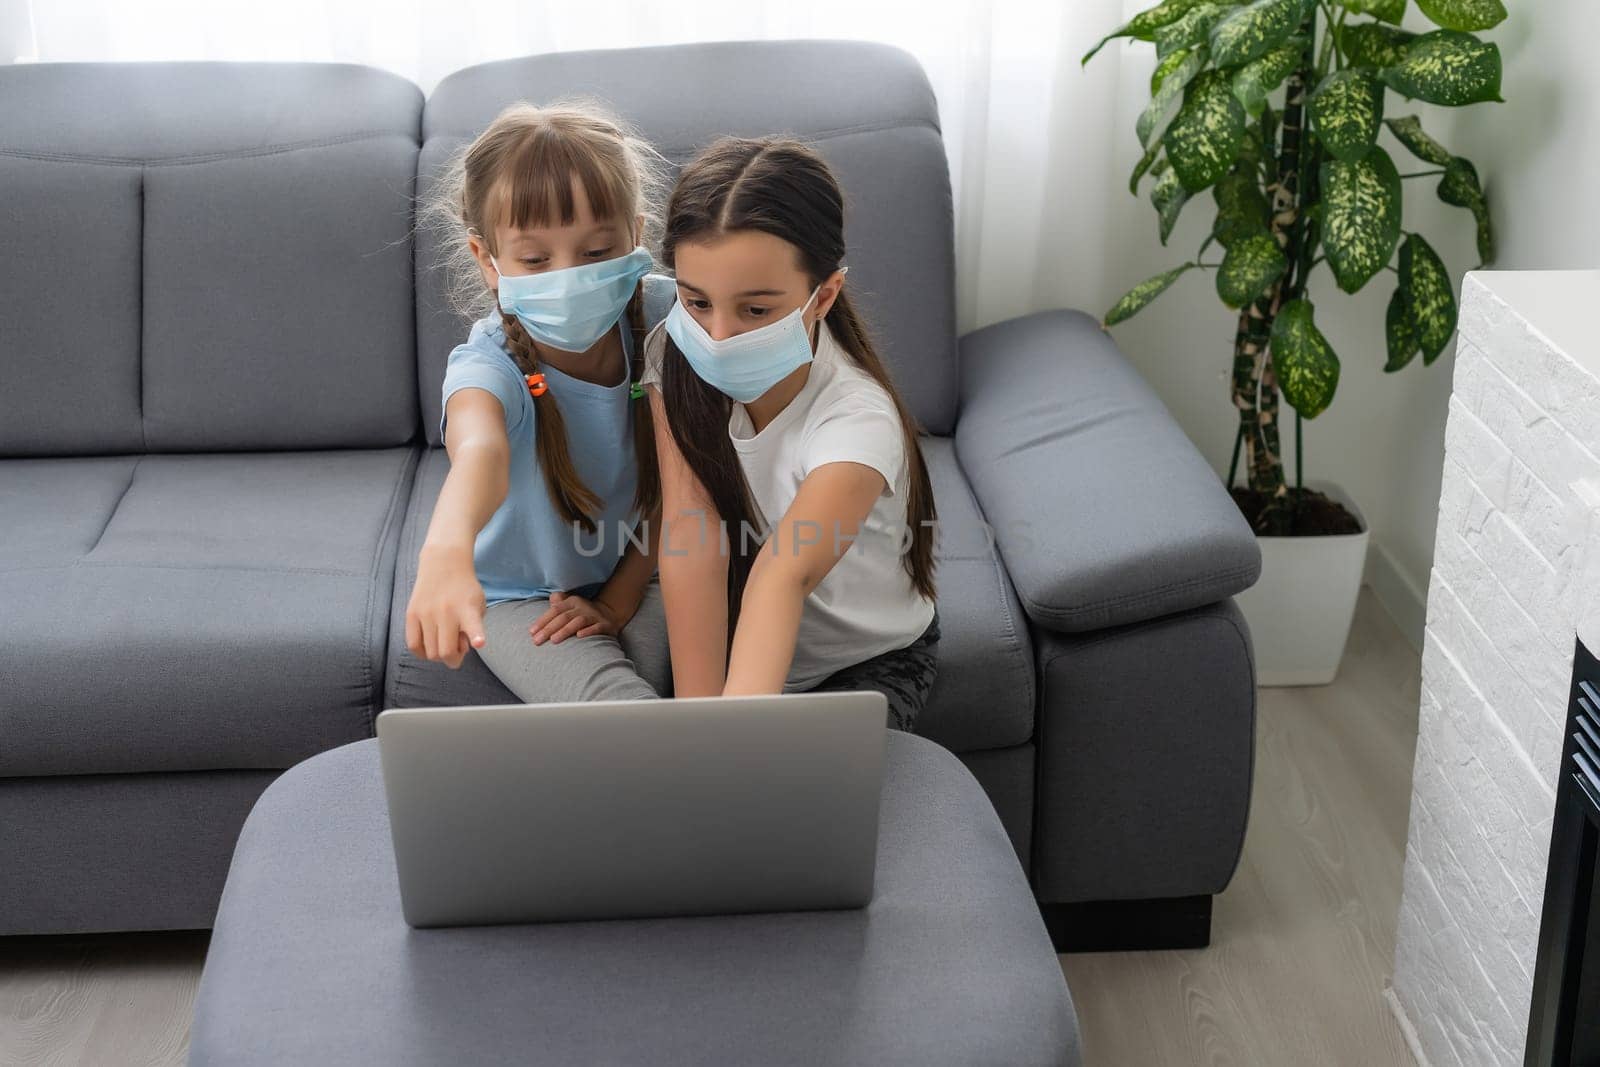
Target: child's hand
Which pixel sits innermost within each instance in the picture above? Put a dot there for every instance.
(445, 616)
(570, 615)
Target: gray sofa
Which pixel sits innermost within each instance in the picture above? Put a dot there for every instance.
(221, 346)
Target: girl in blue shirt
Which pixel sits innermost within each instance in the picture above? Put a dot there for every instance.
(540, 552)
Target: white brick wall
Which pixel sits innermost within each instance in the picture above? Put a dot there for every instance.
(1513, 572)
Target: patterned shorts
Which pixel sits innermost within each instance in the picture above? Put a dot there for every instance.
(904, 675)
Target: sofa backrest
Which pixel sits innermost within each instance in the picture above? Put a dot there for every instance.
(205, 256)
(867, 108)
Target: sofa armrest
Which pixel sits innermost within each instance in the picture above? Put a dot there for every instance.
(1103, 511)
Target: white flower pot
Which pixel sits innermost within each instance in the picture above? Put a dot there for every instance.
(1300, 611)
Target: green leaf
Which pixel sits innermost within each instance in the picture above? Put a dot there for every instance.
(1486, 246)
(1433, 301)
(1204, 139)
(1256, 29)
(1142, 168)
(1375, 46)
(1259, 77)
(1165, 67)
(1361, 216)
(1459, 186)
(1408, 130)
(1157, 112)
(1399, 330)
(1242, 209)
(1192, 29)
(1448, 68)
(1464, 14)
(1387, 10)
(1308, 370)
(1249, 268)
(1169, 196)
(1140, 295)
(1143, 26)
(1345, 111)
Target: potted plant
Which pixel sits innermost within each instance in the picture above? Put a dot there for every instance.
(1277, 107)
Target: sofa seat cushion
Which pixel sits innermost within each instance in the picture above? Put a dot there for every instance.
(193, 612)
(984, 696)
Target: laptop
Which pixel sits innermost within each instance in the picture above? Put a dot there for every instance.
(634, 809)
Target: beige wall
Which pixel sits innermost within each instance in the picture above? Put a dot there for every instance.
(1383, 438)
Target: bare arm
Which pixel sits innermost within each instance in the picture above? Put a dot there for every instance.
(445, 614)
(694, 570)
(819, 527)
(613, 607)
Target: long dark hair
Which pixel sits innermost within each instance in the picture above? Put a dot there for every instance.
(782, 187)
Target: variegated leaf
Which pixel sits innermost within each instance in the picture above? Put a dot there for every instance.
(1204, 139)
(1142, 168)
(1242, 209)
(1449, 68)
(1387, 10)
(1140, 295)
(1433, 301)
(1408, 130)
(1399, 330)
(1143, 26)
(1308, 370)
(1256, 29)
(1169, 196)
(1192, 29)
(1253, 82)
(1165, 67)
(1249, 268)
(1374, 46)
(1460, 186)
(1361, 216)
(1345, 111)
(1159, 111)
(1485, 235)
(1464, 14)
(1251, 151)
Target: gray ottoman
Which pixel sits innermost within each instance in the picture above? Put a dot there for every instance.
(311, 962)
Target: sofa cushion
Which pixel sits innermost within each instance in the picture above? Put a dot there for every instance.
(250, 285)
(867, 108)
(193, 612)
(983, 697)
(311, 960)
(984, 694)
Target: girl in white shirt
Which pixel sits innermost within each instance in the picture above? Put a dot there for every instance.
(797, 538)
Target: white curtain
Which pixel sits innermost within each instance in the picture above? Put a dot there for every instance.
(1039, 148)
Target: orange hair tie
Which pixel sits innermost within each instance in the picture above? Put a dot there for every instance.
(536, 385)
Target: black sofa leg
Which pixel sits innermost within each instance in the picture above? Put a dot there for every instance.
(1129, 925)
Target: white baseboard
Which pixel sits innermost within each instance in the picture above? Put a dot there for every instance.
(1398, 592)
(1407, 1031)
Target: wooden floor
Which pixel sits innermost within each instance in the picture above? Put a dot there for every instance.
(1303, 940)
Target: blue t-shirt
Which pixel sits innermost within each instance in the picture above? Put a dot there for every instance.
(527, 549)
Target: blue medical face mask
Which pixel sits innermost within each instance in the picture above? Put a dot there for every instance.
(747, 364)
(572, 308)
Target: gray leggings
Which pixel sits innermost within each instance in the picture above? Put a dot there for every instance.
(634, 666)
(638, 666)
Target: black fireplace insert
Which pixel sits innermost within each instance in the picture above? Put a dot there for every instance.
(1564, 1023)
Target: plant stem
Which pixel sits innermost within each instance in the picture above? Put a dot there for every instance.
(1422, 174)
(1255, 384)
(1233, 464)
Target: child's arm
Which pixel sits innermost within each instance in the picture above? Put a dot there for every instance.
(445, 614)
(819, 527)
(613, 607)
(694, 570)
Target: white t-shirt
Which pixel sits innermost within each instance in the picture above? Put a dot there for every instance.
(866, 605)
